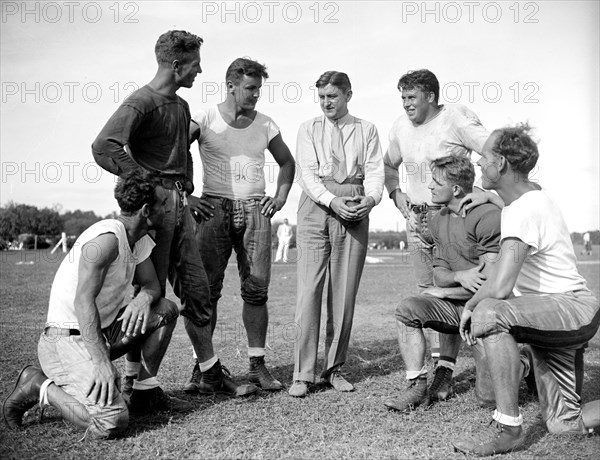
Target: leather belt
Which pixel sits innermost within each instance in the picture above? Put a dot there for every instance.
(171, 184)
(59, 331)
(357, 180)
(423, 208)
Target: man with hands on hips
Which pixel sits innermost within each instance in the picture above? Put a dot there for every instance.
(233, 211)
(342, 179)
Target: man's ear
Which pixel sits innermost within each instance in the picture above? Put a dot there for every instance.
(430, 97)
(457, 190)
(502, 165)
(175, 65)
(348, 95)
(230, 86)
(145, 210)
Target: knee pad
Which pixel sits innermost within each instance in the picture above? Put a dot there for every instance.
(256, 299)
(168, 310)
(406, 311)
(254, 293)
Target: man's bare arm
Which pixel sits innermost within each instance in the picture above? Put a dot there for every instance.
(137, 314)
(513, 253)
(462, 284)
(287, 170)
(200, 209)
(100, 387)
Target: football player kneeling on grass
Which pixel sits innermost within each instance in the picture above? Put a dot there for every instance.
(554, 312)
(92, 321)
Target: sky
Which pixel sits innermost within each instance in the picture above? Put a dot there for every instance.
(66, 66)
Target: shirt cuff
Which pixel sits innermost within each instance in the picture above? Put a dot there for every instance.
(376, 196)
(392, 186)
(326, 198)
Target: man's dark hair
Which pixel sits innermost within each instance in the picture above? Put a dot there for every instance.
(338, 79)
(176, 45)
(244, 66)
(516, 145)
(457, 170)
(135, 189)
(422, 79)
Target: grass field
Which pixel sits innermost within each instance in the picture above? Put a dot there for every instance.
(326, 424)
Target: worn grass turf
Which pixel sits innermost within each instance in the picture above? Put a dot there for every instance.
(326, 424)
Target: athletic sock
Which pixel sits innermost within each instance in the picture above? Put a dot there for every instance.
(132, 368)
(446, 361)
(254, 352)
(508, 420)
(207, 365)
(411, 375)
(44, 393)
(146, 384)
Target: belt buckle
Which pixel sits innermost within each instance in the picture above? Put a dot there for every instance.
(420, 208)
(178, 186)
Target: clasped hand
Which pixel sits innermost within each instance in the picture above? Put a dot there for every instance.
(352, 208)
(471, 279)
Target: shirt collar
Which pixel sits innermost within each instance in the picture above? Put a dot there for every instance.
(346, 119)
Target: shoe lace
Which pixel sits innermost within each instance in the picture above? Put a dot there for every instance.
(196, 374)
(225, 372)
(411, 390)
(490, 432)
(443, 376)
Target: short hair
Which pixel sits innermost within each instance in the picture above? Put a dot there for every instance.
(244, 66)
(516, 145)
(457, 170)
(338, 79)
(135, 189)
(176, 45)
(423, 79)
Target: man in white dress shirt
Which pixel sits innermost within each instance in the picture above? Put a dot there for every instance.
(342, 175)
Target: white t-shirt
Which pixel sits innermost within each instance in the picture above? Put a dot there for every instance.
(116, 291)
(455, 130)
(233, 159)
(550, 266)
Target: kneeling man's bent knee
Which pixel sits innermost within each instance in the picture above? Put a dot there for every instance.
(490, 317)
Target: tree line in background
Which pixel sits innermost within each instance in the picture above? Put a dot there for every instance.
(21, 222)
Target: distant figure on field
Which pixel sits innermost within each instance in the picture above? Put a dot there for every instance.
(284, 236)
(587, 244)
